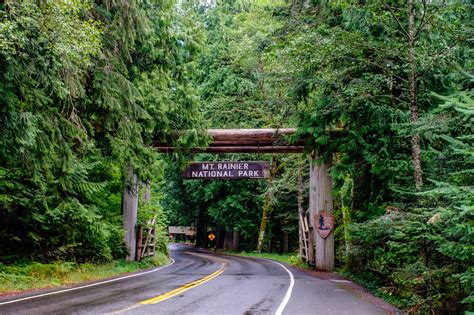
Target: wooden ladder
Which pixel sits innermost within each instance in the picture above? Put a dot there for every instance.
(146, 242)
(306, 241)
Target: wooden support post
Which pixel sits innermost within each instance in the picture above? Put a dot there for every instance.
(130, 207)
(303, 250)
(140, 248)
(320, 199)
(153, 232)
(310, 241)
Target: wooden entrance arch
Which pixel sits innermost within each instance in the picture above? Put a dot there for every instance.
(270, 141)
(244, 141)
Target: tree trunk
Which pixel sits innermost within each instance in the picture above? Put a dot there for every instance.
(261, 80)
(361, 189)
(235, 241)
(415, 141)
(130, 207)
(266, 207)
(201, 230)
(263, 223)
(228, 240)
(300, 207)
(220, 239)
(139, 243)
(320, 199)
(346, 220)
(285, 242)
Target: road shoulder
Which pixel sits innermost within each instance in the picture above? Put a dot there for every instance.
(340, 281)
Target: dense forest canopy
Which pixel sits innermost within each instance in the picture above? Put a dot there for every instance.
(87, 87)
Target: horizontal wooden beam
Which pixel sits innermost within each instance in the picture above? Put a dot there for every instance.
(247, 141)
(233, 143)
(236, 149)
(249, 134)
(262, 143)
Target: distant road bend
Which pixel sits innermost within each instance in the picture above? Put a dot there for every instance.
(198, 282)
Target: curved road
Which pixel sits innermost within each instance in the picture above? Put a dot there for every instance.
(199, 282)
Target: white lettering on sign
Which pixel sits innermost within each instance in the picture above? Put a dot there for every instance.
(230, 170)
(202, 174)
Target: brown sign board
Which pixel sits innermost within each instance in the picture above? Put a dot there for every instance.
(227, 170)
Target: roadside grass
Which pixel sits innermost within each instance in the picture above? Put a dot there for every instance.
(291, 259)
(35, 275)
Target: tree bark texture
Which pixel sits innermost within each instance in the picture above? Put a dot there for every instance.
(415, 141)
(263, 222)
(300, 206)
(201, 230)
(220, 238)
(235, 241)
(266, 207)
(285, 242)
(228, 240)
(130, 208)
(320, 199)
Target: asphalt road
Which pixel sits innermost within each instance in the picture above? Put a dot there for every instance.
(198, 282)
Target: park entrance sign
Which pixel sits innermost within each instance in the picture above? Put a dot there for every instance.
(227, 170)
(316, 238)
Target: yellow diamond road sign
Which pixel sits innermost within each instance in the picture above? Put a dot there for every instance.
(211, 236)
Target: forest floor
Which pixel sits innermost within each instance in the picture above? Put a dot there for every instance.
(29, 276)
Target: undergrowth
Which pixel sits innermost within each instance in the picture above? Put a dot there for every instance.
(35, 275)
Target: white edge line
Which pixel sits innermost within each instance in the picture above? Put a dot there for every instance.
(88, 285)
(287, 297)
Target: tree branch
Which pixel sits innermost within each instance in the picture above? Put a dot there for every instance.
(424, 19)
(389, 8)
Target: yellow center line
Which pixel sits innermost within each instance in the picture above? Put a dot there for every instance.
(184, 288)
(179, 290)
